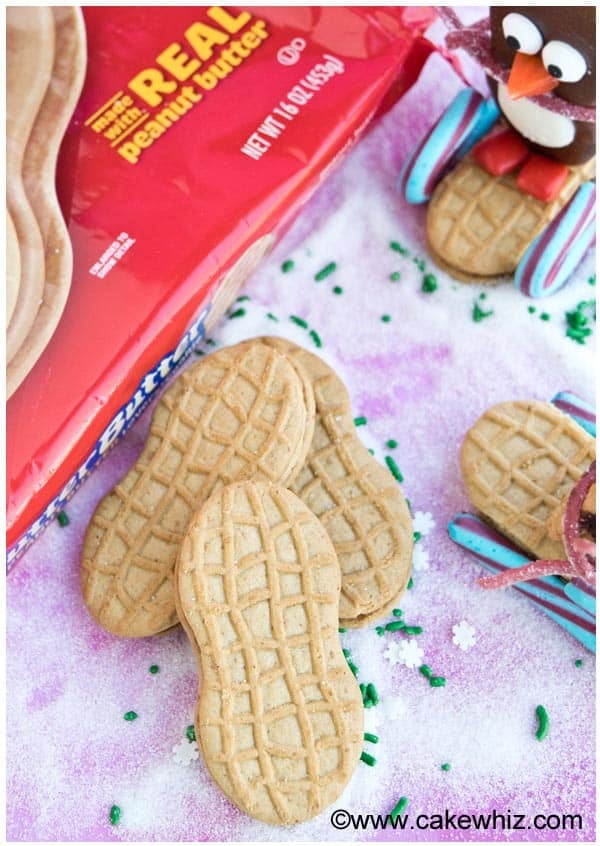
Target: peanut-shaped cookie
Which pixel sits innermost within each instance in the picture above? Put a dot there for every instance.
(239, 413)
(30, 44)
(279, 718)
(356, 499)
(520, 461)
(38, 174)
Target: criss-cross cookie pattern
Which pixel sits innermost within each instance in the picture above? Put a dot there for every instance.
(356, 499)
(520, 461)
(488, 221)
(238, 413)
(358, 503)
(280, 714)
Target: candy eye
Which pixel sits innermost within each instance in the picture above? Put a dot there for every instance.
(563, 61)
(521, 34)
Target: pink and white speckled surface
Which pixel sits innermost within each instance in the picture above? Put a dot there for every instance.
(422, 379)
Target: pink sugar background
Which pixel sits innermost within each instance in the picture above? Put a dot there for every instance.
(421, 379)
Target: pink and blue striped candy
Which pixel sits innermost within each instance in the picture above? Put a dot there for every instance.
(571, 605)
(464, 122)
(553, 256)
(581, 411)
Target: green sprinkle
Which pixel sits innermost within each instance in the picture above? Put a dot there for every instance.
(338, 290)
(479, 314)
(398, 626)
(578, 335)
(394, 469)
(240, 312)
(380, 630)
(421, 265)
(391, 444)
(287, 265)
(483, 295)
(397, 612)
(408, 505)
(531, 309)
(429, 284)
(543, 722)
(544, 316)
(199, 352)
(62, 518)
(243, 298)
(410, 584)
(271, 316)
(372, 451)
(446, 767)
(363, 690)
(437, 681)
(592, 280)
(394, 245)
(385, 318)
(114, 815)
(368, 759)
(399, 808)
(372, 693)
(317, 340)
(578, 328)
(353, 668)
(341, 630)
(416, 536)
(298, 321)
(360, 421)
(395, 276)
(371, 738)
(413, 630)
(325, 271)
(578, 662)
(190, 733)
(346, 653)
(129, 716)
(577, 319)
(425, 669)
(153, 669)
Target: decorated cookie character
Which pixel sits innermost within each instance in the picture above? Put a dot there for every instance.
(529, 470)
(508, 179)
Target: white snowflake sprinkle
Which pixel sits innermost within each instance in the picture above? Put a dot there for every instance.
(407, 652)
(420, 560)
(185, 752)
(423, 522)
(412, 654)
(464, 635)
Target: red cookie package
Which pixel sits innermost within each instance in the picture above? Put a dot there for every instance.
(199, 133)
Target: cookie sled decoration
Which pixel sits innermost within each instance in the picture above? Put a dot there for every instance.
(530, 471)
(509, 179)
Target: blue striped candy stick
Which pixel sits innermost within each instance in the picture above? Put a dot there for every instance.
(581, 411)
(497, 554)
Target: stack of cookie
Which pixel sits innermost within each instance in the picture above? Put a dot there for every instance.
(45, 68)
(256, 518)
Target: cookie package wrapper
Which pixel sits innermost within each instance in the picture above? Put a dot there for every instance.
(199, 134)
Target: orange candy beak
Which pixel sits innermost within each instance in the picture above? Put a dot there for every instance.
(529, 77)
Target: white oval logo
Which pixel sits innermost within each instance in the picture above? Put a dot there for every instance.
(290, 54)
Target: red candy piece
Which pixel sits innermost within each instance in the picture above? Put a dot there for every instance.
(500, 153)
(542, 178)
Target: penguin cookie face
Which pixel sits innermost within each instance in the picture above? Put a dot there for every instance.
(549, 51)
